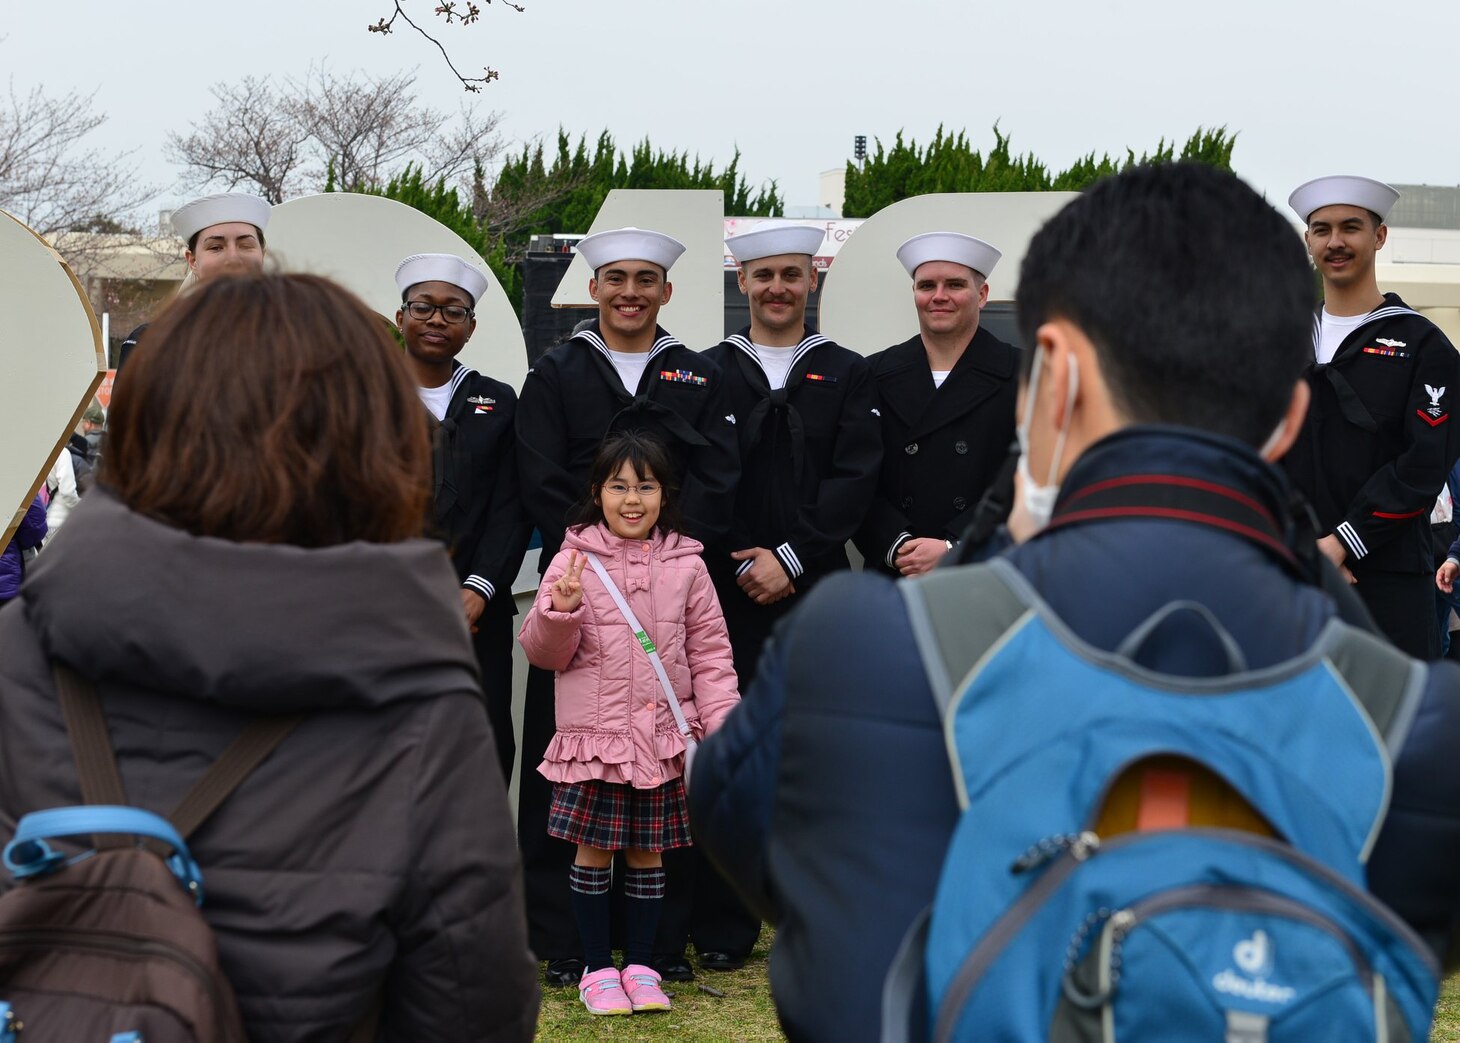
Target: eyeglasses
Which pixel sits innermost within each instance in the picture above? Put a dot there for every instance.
(622, 488)
(421, 311)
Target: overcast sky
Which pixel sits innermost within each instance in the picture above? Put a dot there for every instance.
(1339, 87)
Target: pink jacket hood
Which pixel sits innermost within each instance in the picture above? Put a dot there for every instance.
(601, 541)
(614, 722)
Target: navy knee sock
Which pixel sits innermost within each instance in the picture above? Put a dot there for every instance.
(590, 905)
(644, 889)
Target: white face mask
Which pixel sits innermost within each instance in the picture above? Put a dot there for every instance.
(1272, 439)
(1039, 499)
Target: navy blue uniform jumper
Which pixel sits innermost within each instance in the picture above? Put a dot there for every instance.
(476, 510)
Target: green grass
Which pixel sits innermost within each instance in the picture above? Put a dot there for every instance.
(1447, 1013)
(745, 1012)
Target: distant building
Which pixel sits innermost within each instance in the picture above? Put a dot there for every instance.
(833, 191)
(1426, 206)
(127, 278)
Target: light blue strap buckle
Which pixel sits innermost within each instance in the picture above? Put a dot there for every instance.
(29, 855)
(128, 1037)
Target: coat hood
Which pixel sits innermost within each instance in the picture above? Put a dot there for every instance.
(599, 540)
(259, 627)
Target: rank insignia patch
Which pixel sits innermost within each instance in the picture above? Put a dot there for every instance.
(1394, 353)
(821, 378)
(482, 400)
(682, 376)
(1435, 415)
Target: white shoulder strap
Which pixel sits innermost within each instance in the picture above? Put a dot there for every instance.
(644, 640)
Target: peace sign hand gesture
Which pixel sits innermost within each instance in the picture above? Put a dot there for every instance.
(568, 590)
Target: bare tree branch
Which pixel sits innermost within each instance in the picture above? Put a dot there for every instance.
(447, 9)
(455, 151)
(284, 140)
(49, 178)
(255, 137)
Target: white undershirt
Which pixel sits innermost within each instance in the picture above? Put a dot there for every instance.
(1335, 329)
(940, 375)
(437, 400)
(776, 362)
(630, 366)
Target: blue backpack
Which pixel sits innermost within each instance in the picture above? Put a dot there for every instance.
(1042, 929)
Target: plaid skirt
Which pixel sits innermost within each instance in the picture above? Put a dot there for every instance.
(611, 816)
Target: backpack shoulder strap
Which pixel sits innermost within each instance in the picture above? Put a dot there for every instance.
(243, 755)
(1388, 684)
(96, 760)
(91, 745)
(957, 615)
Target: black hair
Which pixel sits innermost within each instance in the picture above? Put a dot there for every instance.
(646, 454)
(193, 239)
(1194, 291)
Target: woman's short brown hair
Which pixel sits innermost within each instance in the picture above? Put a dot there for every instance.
(271, 409)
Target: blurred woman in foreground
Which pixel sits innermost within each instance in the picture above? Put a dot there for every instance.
(251, 550)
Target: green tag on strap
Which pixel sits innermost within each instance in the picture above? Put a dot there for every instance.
(645, 641)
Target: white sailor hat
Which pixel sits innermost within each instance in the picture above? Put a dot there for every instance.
(191, 218)
(630, 244)
(774, 238)
(1345, 189)
(948, 246)
(448, 268)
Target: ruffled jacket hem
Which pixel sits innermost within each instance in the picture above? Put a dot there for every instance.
(609, 757)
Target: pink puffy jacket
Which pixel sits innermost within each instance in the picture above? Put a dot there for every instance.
(614, 722)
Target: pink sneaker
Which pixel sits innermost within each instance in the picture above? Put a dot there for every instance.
(602, 992)
(642, 985)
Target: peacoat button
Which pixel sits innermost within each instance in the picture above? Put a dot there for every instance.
(911, 449)
(959, 503)
(960, 447)
(906, 502)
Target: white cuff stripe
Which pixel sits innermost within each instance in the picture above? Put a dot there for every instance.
(744, 565)
(902, 538)
(1346, 533)
(788, 557)
(480, 585)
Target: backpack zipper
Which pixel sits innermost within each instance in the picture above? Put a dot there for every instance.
(123, 945)
(1118, 925)
(1070, 856)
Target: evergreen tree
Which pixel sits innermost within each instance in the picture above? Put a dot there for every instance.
(445, 205)
(950, 164)
(532, 196)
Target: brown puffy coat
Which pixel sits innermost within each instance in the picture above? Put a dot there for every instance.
(373, 854)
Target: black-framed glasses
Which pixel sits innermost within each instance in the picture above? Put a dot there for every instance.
(454, 314)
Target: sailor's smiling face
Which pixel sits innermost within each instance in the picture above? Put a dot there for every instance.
(439, 336)
(629, 296)
(949, 297)
(231, 248)
(1342, 240)
(777, 289)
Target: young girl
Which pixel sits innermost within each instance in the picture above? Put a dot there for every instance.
(618, 756)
